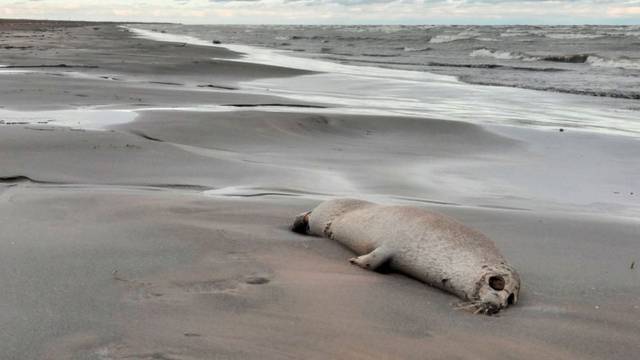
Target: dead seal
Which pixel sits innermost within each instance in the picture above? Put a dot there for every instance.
(425, 245)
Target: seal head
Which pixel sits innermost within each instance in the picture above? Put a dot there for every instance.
(497, 289)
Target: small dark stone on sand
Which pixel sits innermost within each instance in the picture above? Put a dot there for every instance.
(217, 87)
(257, 280)
(561, 130)
(217, 42)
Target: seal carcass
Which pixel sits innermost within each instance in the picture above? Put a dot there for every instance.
(425, 245)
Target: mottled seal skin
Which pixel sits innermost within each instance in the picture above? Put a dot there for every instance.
(425, 245)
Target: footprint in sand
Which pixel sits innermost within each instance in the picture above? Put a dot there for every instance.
(144, 291)
(222, 285)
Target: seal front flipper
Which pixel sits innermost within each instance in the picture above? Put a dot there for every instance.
(372, 260)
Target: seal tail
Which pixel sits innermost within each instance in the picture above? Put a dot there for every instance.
(301, 223)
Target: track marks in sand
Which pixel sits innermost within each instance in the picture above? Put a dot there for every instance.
(145, 136)
(260, 194)
(14, 180)
(227, 286)
(276, 105)
(165, 83)
(219, 87)
(46, 66)
(250, 192)
(445, 203)
(181, 290)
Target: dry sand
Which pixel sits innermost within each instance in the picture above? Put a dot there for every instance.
(110, 248)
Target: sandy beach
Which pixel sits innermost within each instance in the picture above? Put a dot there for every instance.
(146, 194)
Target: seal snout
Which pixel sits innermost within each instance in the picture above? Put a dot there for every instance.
(492, 309)
(497, 291)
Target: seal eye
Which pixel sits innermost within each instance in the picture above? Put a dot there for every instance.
(496, 283)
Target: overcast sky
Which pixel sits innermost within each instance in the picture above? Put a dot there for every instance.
(332, 11)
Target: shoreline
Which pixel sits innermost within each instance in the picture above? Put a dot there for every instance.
(447, 97)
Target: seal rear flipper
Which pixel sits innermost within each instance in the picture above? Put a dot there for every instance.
(301, 223)
(372, 260)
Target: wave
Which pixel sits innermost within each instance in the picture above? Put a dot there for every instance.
(501, 55)
(519, 33)
(352, 60)
(574, 58)
(379, 55)
(495, 66)
(624, 63)
(593, 60)
(632, 95)
(507, 55)
(571, 36)
(411, 49)
(465, 35)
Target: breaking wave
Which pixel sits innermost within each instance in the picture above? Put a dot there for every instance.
(501, 55)
(631, 95)
(494, 66)
(624, 63)
(593, 60)
(596, 61)
(410, 49)
(574, 59)
(571, 36)
(507, 55)
(465, 35)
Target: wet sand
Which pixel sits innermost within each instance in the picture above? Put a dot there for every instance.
(167, 237)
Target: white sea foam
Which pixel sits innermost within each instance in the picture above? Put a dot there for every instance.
(501, 55)
(631, 64)
(412, 49)
(569, 36)
(514, 33)
(445, 38)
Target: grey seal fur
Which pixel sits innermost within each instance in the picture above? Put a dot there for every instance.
(425, 245)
